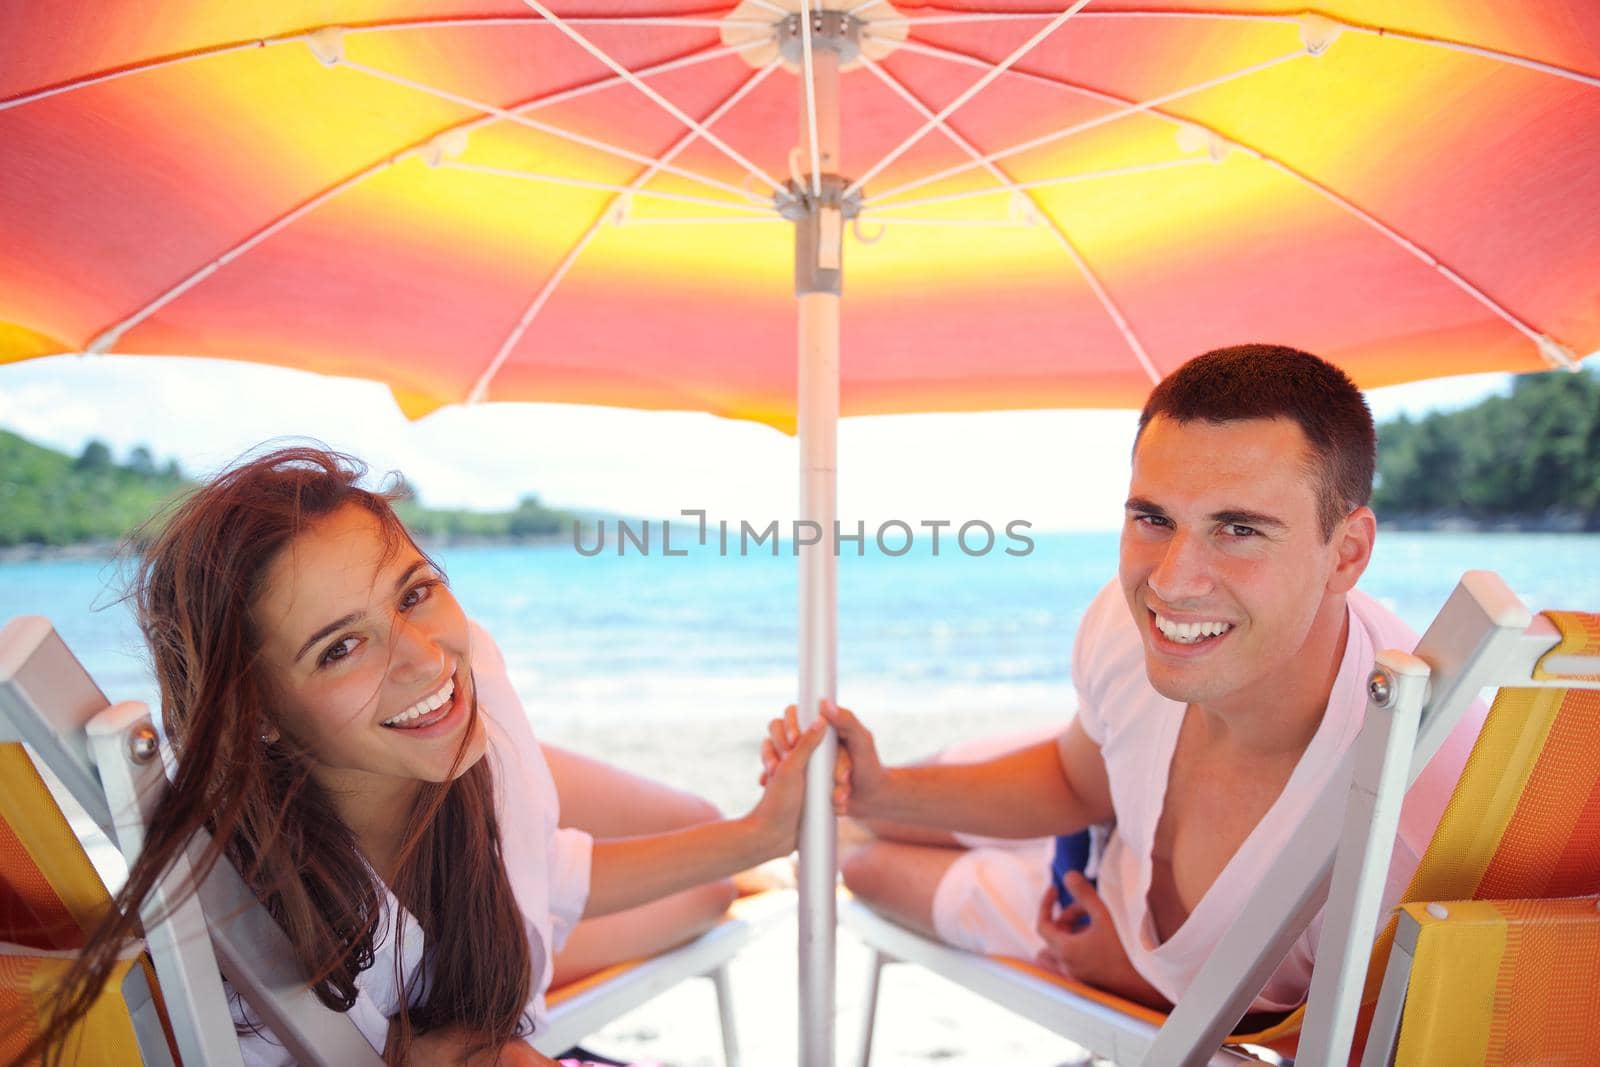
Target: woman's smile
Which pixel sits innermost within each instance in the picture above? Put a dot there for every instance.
(433, 715)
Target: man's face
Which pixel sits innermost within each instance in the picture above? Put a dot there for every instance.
(1223, 560)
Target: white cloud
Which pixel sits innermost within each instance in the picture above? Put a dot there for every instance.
(1056, 469)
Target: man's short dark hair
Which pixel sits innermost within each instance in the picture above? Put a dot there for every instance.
(1276, 382)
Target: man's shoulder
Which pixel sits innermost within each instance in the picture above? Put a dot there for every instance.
(1386, 628)
(1107, 628)
(1108, 668)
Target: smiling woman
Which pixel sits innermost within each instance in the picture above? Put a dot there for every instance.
(331, 707)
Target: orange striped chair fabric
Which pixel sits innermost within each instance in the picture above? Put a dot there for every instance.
(1504, 982)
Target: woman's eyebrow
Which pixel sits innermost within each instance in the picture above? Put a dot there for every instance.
(400, 583)
(345, 620)
(337, 624)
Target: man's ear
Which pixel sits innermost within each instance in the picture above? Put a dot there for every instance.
(1352, 542)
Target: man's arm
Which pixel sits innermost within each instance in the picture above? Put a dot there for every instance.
(1053, 787)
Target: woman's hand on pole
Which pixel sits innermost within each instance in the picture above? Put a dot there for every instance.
(858, 774)
(778, 811)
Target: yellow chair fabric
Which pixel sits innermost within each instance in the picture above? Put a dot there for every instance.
(50, 893)
(1504, 982)
(50, 897)
(104, 1038)
(1524, 820)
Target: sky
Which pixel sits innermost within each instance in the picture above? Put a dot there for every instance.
(1059, 470)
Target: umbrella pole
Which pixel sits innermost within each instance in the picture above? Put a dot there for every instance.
(818, 239)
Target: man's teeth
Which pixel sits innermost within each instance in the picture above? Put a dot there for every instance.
(425, 705)
(1187, 633)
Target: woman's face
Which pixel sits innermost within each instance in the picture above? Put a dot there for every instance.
(368, 651)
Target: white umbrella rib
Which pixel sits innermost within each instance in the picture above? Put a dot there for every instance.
(1130, 108)
(610, 187)
(560, 132)
(105, 339)
(967, 94)
(304, 36)
(1496, 54)
(666, 105)
(709, 220)
(1095, 285)
(978, 224)
(480, 388)
(808, 72)
(1551, 350)
(914, 20)
(1046, 183)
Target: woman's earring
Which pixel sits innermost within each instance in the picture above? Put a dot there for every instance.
(270, 737)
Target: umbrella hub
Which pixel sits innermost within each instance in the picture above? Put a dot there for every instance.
(836, 31)
(797, 201)
(819, 219)
(764, 30)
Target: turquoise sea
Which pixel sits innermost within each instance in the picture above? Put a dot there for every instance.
(648, 636)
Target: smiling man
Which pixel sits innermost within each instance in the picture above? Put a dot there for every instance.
(1220, 678)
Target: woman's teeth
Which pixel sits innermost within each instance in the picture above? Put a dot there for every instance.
(1187, 633)
(424, 706)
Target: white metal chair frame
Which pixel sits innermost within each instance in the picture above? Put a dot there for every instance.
(1483, 636)
(576, 1017)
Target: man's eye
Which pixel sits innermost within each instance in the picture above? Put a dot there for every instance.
(337, 651)
(1151, 520)
(1234, 529)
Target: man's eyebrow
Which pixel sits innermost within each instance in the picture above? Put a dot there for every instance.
(345, 620)
(1144, 507)
(1249, 518)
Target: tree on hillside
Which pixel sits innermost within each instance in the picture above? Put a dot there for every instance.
(1531, 452)
(96, 456)
(141, 461)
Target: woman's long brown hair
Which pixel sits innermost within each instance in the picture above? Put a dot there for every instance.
(196, 582)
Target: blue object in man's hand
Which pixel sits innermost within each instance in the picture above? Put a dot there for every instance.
(1072, 854)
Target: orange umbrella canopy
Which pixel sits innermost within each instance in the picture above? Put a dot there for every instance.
(1058, 203)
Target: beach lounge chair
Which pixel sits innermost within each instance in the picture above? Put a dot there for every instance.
(580, 1008)
(106, 758)
(1503, 895)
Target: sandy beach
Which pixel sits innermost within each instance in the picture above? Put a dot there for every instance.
(922, 1018)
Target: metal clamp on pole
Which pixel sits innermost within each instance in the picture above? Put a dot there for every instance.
(819, 232)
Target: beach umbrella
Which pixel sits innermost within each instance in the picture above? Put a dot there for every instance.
(1036, 203)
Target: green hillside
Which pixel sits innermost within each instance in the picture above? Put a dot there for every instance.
(1533, 456)
(52, 499)
(49, 498)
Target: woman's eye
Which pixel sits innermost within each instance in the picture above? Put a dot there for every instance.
(416, 594)
(337, 651)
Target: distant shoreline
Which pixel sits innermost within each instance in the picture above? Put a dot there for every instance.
(1555, 523)
(107, 550)
(1454, 522)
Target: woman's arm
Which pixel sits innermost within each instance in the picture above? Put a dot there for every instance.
(456, 1047)
(628, 871)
